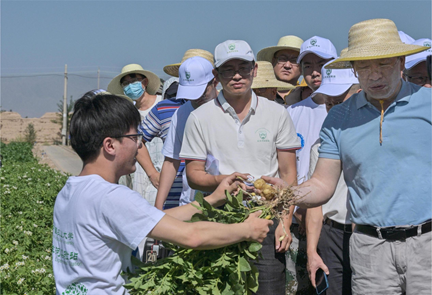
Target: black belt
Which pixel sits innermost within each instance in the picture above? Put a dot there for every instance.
(394, 233)
(347, 228)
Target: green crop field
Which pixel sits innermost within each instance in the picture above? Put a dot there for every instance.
(28, 191)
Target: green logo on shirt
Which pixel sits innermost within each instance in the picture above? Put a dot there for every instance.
(262, 135)
(75, 289)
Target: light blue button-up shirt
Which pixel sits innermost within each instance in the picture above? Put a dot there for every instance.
(389, 183)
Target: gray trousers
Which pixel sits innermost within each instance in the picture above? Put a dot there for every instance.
(391, 267)
(333, 247)
(271, 266)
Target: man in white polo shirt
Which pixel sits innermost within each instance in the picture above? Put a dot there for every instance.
(245, 133)
(328, 243)
(308, 116)
(198, 86)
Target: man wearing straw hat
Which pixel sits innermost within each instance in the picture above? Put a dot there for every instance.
(244, 133)
(415, 65)
(381, 139)
(265, 83)
(328, 227)
(141, 86)
(283, 57)
(308, 116)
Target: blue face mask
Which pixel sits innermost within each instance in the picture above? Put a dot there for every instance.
(134, 90)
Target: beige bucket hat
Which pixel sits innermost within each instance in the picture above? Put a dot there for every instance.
(373, 39)
(266, 78)
(153, 80)
(173, 69)
(286, 42)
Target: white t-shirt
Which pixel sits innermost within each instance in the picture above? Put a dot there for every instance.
(97, 224)
(337, 208)
(173, 144)
(249, 146)
(308, 118)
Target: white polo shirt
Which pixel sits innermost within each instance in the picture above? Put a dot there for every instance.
(308, 118)
(249, 146)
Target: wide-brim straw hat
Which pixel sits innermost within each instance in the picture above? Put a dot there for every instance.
(173, 69)
(373, 39)
(266, 78)
(153, 80)
(286, 42)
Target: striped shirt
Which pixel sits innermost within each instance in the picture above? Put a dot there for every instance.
(156, 124)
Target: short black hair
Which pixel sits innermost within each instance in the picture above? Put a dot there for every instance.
(97, 116)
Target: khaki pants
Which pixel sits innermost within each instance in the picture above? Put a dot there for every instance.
(391, 267)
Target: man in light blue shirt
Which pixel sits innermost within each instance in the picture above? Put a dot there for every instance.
(381, 139)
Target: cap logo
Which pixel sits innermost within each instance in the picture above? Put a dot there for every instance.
(328, 71)
(427, 44)
(313, 42)
(231, 46)
(188, 75)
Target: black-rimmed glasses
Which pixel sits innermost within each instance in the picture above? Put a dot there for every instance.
(243, 71)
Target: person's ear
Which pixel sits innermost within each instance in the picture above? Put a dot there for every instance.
(216, 75)
(358, 91)
(402, 63)
(255, 70)
(274, 91)
(145, 82)
(109, 145)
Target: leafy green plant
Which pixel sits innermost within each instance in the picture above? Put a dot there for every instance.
(28, 191)
(227, 270)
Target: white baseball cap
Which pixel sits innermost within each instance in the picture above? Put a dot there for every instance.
(415, 59)
(232, 49)
(194, 75)
(405, 38)
(335, 81)
(322, 47)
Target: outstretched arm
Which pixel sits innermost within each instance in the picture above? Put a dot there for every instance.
(166, 180)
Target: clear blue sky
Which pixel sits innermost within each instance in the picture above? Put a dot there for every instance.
(40, 37)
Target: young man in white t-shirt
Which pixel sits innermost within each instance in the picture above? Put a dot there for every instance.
(97, 223)
(197, 84)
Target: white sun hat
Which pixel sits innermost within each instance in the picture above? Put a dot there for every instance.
(320, 46)
(194, 75)
(415, 59)
(232, 49)
(335, 81)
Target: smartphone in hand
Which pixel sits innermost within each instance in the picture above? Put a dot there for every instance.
(321, 281)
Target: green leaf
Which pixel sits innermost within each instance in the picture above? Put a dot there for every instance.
(199, 217)
(255, 247)
(244, 264)
(250, 254)
(252, 281)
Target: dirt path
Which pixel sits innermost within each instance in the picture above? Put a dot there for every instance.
(58, 157)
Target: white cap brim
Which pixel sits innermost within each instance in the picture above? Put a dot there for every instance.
(414, 62)
(320, 54)
(332, 89)
(242, 57)
(190, 92)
